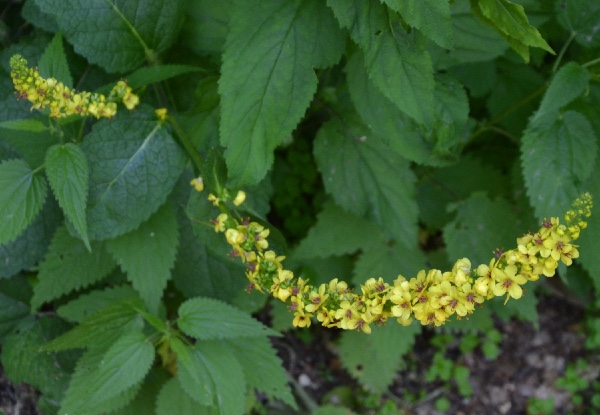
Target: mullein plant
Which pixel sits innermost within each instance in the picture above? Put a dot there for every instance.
(430, 297)
(61, 100)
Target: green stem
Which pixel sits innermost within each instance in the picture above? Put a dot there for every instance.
(590, 63)
(187, 145)
(562, 52)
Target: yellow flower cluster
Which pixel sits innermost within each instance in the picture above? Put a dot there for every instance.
(430, 298)
(63, 101)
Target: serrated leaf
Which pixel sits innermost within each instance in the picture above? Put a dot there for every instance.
(263, 369)
(153, 74)
(53, 63)
(32, 126)
(31, 245)
(205, 27)
(399, 67)
(88, 304)
(511, 22)
(227, 376)
(105, 325)
(67, 171)
(173, 400)
(134, 164)
(268, 79)
(570, 82)
(580, 17)
(22, 195)
(69, 266)
(385, 347)
(478, 217)
(80, 399)
(205, 319)
(366, 179)
(145, 400)
(338, 232)
(147, 255)
(192, 374)
(556, 159)
(432, 17)
(117, 36)
(23, 362)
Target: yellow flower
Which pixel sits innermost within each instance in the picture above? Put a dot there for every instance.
(508, 281)
(198, 184)
(239, 198)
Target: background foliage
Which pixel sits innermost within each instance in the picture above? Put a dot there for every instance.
(377, 137)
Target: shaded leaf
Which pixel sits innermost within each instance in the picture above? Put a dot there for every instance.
(580, 17)
(53, 63)
(88, 304)
(173, 400)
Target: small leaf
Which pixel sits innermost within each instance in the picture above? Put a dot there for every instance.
(338, 232)
(53, 63)
(69, 266)
(32, 126)
(22, 195)
(88, 304)
(205, 319)
(268, 79)
(117, 36)
(67, 171)
(105, 325)
(367, 179)
(556, 159)
(134, 164)
(432, 17)
(147, 255)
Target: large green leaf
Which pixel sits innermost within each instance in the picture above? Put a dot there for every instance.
(67, 171)
(205, 27)
(117, 35)
(268, 79)
(53, 63)
(173, 400)
(556, 158)
(580, 17)
(478, 217)
(338, 232)
(134, 164)
(147, 255)
(385, 347)
(398, 66)
(432, 17)
(205, 319)
(22, 195)
(69, 266)
(367, 179)
(192, 373)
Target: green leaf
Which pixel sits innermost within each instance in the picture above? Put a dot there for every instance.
(145, 399)
(268, 79)
(205, 319)
(69, 266)
(432, 17)
(338, 232)
(385, 348)
(473, 41)
(477, 218)
(117, 36)
(263, 369)
(147, 255)
(88, 304)
(53, 63)
(511, 22)
(556, 159)
(227, 376)
(153, 74)
(134, 164)
(67, 171)
(101, 327)
(23, 362)
(173, 400)
(28, 125)
(12, 312)
(399, 67)
(580, 17)
(22, 195)
(366, 179)
(205, 27)
(192, 373)
(81, 397)
(570, 82)
(589, 249)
